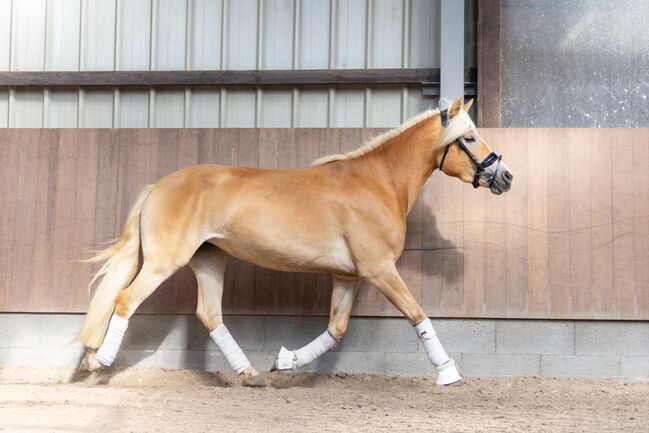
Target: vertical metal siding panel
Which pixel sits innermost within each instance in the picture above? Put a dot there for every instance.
(314, 35)
(98, 35)
(349, 107)
(350, 34)
(387, 23)
(28, 35)
(313, 108)
(470, 20)
(241, 40)
(134, 39)
(62, 36)
(171, 31)
(169, 108)
(206, 27)
(276, 109)
(62, 110)
(277, 50)
(170, 43)
(349, 52)
(204, 107)
(4, 108)
(5, 35)
(416, 102)
(27, 109)
(134, 53)
(277, 37)
(97, 109)
(240, 107)
(384, 107)
(424, 34)
(133, 109)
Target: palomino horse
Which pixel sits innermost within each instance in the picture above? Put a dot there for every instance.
(345, 215)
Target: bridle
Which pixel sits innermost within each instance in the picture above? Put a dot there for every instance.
(480, 166)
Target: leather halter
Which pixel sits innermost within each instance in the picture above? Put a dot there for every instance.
(480, 166)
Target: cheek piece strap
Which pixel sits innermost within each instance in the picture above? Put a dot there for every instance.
(480, 166)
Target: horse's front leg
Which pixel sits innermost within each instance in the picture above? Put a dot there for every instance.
(342, 300)
(208, 264)
(389, 282)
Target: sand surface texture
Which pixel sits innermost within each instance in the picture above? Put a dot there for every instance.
(155, 400)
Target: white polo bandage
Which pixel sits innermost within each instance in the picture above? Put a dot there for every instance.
(112, 340)
(317, 347)
(233, 353)
(299, 358)
(428, 338)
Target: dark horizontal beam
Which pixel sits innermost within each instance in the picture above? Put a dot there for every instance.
(225, 78)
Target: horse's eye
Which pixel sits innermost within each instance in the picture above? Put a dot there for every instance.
(470, 139)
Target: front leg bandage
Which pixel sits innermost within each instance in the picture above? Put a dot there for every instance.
(447, 371)
(428, 338)
(233, 353)
(113, 339)
(299, 358)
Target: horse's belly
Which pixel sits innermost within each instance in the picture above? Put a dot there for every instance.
(291, 255)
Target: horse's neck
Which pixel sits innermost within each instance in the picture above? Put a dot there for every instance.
(405, 161)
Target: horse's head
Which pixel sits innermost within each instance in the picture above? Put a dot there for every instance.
(465, 155)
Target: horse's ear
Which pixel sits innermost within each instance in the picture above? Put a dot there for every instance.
(468, 105)
(456, 106)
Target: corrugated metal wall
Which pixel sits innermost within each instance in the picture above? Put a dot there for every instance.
(71, 35)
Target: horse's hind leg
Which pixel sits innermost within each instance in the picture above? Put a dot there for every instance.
(208, 264)
(342, 300)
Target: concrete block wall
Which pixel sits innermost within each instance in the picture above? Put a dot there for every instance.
(483, 347)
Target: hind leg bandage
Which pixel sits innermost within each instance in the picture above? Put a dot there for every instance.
(447, 371)
(299, 358)
(113, 339)
(233, 353)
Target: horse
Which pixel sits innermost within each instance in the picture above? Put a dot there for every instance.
(344, 215)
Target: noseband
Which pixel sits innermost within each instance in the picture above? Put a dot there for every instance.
(480, 166)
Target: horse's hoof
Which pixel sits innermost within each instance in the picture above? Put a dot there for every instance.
(89, 363)
(274, 367)
(253, 381)
(456, 383)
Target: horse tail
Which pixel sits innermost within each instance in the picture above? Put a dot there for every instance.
(121, 264)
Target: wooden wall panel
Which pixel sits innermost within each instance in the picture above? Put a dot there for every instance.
(569, 241)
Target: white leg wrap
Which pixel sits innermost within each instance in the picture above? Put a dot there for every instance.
(447, 371)
(299, 358)
(428, 337)
(233, 353)
(113, 339)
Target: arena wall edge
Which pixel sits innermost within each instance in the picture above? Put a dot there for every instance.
(482, 347)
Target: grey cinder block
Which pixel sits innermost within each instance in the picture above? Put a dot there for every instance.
(292, 332)
(248, 332)
(348, 362)
(20, 330)
(135, 358)
(612, 338)
(535, 336)
(414, 364)
(60, 330)
(40, 357)
(466, 335)
(580, 366)
(495, 364)
(150, 331)
(635, 367)
(379, 335)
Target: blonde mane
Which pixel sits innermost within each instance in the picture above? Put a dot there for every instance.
(459, 125)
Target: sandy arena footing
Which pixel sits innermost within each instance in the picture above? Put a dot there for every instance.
(156, 400)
